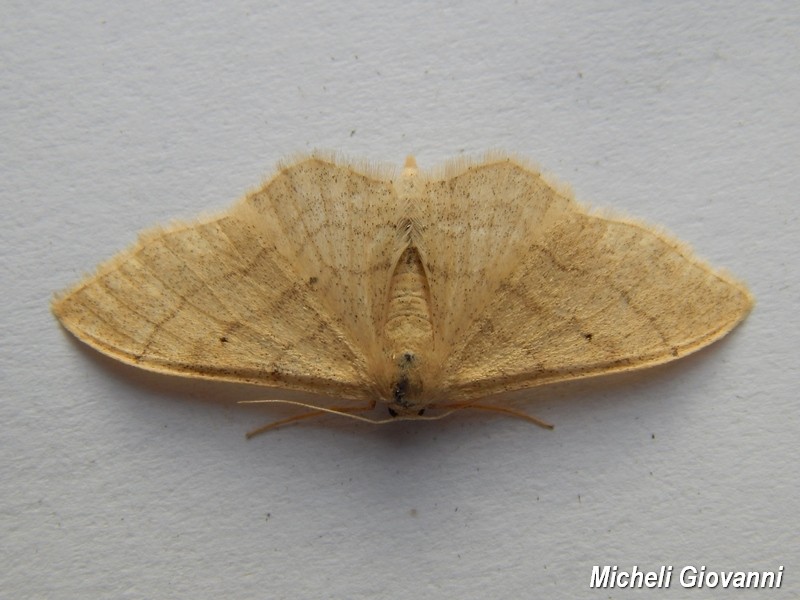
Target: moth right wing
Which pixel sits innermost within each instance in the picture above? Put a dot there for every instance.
(564, 294)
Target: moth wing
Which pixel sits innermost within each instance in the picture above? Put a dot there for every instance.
(541, 291)
(472, 225)
(338, 228)
(268, 293)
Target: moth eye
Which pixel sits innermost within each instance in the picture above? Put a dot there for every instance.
(392, 411)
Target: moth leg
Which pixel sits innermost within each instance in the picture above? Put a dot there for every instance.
(345, 411)
(502, 410)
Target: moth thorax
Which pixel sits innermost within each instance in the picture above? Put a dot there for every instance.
(408, 320)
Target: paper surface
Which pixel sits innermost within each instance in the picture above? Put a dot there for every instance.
(124, 484)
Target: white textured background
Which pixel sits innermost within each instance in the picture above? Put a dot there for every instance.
(120, 484)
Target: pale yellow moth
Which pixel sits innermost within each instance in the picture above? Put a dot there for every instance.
(418, 291)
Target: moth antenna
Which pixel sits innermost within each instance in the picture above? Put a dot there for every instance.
(316, 411)
(345, 411)
(281, 423)
(502, 410)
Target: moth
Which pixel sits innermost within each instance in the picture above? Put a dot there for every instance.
(418, 291)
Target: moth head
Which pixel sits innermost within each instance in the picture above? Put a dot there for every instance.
(405, 396)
